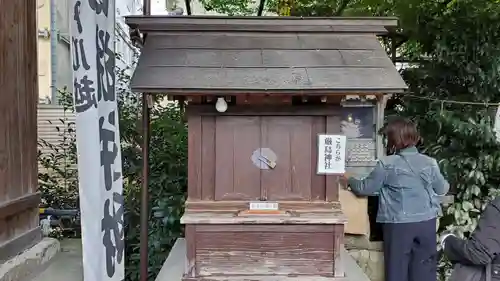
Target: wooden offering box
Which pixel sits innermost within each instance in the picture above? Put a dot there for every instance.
(302, 237)
(258, 92)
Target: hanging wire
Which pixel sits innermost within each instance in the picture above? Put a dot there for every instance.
(443, 101)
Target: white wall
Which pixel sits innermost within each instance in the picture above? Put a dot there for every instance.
(63, 55)
(123, 45)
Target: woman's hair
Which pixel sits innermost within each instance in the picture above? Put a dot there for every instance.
(400, 134)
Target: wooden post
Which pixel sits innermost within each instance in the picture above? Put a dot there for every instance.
(144, 263)
(19, 199)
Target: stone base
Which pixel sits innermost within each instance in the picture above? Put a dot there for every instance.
(34, 260)
(367, 254)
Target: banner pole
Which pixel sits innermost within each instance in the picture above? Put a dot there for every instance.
(144, 263)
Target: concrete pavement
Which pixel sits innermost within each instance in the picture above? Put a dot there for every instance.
(66, 265)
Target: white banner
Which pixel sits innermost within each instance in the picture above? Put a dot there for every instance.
(98, 139)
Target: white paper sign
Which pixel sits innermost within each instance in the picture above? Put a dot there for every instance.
(264, 206)
(92, 24)
(331, 154)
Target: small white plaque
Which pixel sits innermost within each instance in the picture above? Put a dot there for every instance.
(331, 154)
(264, 206)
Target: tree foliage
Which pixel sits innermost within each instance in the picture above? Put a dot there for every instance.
(460, 41)
(306, 8)
(57, 176)
(167, 189)
(463, 49)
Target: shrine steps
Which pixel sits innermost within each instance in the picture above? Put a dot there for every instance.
(174, 266)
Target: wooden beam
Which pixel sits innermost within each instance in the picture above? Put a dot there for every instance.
(145, 22)
(234, 206)
(271, 110)
(153, 90)
(19, 204)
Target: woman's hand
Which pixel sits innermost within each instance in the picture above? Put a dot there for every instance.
(344, 179)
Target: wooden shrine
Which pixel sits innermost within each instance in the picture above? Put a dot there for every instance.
(258, 92)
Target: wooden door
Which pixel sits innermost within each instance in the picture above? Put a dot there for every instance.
(289, 137)
(236, 178)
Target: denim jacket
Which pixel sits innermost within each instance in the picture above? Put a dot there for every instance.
(408, 185)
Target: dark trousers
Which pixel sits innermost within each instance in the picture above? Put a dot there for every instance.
(410, 252)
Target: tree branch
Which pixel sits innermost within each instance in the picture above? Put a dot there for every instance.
(341, 8)
(406, 60)
(395, 35)
(445, 3)
(188, 6)
(401, 42)
(261, 7)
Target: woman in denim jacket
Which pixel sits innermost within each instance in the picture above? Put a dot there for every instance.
(408, 184)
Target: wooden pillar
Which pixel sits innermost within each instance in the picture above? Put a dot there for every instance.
(19, 199)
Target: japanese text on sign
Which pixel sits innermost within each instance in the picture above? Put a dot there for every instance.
(331, 154)
(98, 138)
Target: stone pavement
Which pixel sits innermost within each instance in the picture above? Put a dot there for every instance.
(66, 265)
(30, 262)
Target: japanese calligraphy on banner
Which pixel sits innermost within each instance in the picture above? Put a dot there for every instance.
(98, 139)
(331, 154)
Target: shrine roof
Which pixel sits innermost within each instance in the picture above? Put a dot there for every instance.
(231, 55)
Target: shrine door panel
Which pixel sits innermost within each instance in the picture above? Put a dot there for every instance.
(290, 138)
(236, 178)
